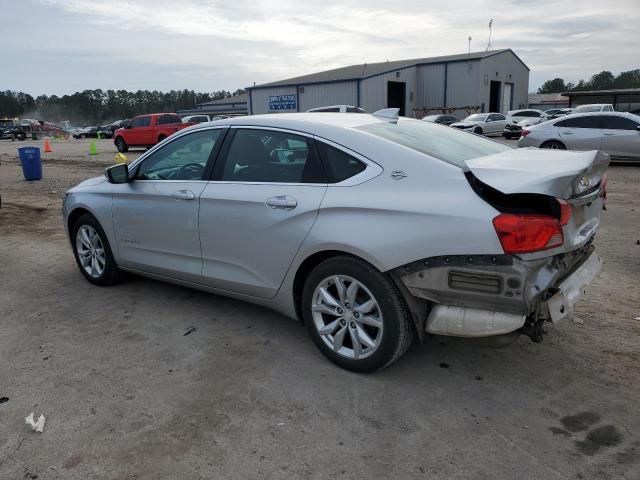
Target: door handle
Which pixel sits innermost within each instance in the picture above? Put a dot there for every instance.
(282, 202)
(609, 134)
(567, 133)
(184, 195)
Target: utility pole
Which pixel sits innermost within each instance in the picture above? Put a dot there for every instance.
(490, 25)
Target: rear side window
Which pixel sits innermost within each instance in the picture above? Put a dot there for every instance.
(355, 110)
(338, 164)
(322, 110)
(168, 118)
(612, 122)
(592, 121)
(447, 144)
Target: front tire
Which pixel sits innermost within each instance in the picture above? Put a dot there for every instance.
(121, 145)
(553, 145)
(161, 138)
(477, 131)
(93, 252)
(355, 315)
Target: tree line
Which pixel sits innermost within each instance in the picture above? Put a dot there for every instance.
(93, 107)
(604, 80)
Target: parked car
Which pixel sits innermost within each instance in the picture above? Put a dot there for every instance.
(483, 123)
(147, 130)
(11, 130)
(514, 130)
(104, 131)
(616, 133)
(441, 119)
(594, 107)
(557, 112)
(86, 132)
(353, 225)
(196, 119)
(517, 115)
(338, 109)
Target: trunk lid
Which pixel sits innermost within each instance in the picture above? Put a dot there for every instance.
(561, 174)
(527, 173)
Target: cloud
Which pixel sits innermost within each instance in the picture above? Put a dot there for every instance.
(216, 44)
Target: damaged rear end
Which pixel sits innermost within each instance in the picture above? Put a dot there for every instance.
(548, 206)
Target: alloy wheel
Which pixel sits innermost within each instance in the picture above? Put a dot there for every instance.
(90, 251)
(347, 316)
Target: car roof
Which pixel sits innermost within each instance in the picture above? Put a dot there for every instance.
(308, 119)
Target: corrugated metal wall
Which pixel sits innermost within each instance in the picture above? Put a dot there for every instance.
(463, 86)
(342, 93)
(260, 99)
(430, 86)
(505, 68)
(373, 91)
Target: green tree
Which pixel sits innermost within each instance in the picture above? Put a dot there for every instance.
(556, 85)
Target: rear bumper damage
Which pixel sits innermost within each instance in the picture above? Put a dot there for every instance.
(480, 295)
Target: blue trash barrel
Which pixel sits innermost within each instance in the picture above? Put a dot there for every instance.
(31, 164)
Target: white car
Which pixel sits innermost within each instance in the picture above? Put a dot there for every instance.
(338, 109)
(483, 123)
(616, 133)
(196, 118)
(516, 116)
(594, 107)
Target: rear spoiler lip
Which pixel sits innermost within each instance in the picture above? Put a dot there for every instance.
(559, 174)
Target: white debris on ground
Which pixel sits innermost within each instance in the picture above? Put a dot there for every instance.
(36, 426)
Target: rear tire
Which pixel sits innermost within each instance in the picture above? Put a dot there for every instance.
(364, 328)
(553, 145)
(161, 138)
(121, 145)
(93, 252)
(477, 131)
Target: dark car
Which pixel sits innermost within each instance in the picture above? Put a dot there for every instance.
(105, 131)
(441, 119)
(11, 130)
(87, 132)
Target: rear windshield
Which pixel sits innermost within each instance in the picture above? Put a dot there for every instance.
(444, 143)
(476, 118)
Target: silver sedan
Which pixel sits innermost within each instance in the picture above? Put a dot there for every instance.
(371, 229)
(617, 133)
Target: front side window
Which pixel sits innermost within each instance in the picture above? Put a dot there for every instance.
(613, 122)
(476, 117)
(592, 121)
(141, 122)
(185, 158)
(269, 156)
(495, 117)
(339, 164)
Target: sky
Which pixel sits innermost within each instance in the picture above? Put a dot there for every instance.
(63, 46)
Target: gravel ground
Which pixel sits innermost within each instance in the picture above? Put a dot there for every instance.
(127, 395)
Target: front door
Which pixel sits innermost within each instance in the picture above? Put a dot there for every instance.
(255, 214)
(396, 96)
(495, 123)
(155, 216)
(140, 131)
(620, 136)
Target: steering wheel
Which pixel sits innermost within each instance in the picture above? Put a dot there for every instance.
(190, 171)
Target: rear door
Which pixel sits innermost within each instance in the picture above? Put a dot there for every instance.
(581, 133)
(256, 212)
(155, 216)
(620, 136)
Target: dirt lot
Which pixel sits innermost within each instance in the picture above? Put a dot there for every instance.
(246, 395)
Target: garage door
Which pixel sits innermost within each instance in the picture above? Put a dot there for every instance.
(506, 97)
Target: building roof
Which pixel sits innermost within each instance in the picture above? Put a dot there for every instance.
(618, 91)
(366, 70)
(242, 98)
(547, 98)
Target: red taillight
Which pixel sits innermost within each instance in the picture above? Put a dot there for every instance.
(527, 233)
(524, 133)
(565, 211)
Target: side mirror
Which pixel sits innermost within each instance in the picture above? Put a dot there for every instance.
(117, 173)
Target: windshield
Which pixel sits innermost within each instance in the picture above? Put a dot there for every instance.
(588, 108)
(444, 143)
(476, 117)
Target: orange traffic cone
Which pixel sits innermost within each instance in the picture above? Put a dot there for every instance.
(47, 146)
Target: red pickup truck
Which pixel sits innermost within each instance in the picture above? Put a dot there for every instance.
(147, 130)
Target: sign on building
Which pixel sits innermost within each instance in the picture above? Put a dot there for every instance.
(282, 102)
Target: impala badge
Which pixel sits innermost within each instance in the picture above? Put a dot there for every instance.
(584, 182)
(398, 175)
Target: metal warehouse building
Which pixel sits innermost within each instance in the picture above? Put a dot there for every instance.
(492, 81)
